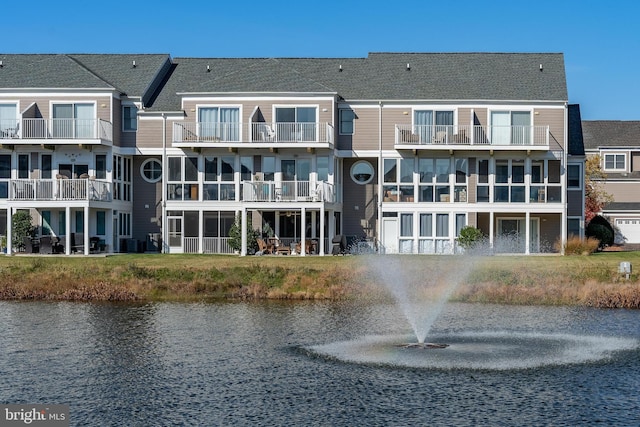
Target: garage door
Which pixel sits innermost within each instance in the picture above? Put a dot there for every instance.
(629, 228)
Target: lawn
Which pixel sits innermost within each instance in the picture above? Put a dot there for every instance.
(550, 280)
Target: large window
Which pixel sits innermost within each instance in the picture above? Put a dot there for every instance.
(511, 127)
(219, 123)
(434, 180)
(296, 123)
(614, 162)
(74, 120)
(574, 176)
(509, 181)
(129, 118)
(398, 180)
(121, 178)
(219, 178)
(433, 126)
(8, 121)
(182, 182)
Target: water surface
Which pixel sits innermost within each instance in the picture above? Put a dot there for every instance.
(253, 364)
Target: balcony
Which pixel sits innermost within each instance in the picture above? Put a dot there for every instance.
(58, 190)
(288, 191)
(258, 134)
(56, 131)
(479, 137)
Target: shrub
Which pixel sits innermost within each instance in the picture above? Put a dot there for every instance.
(600, 228)
(577, 246)
(469, 237)
(235, 236)
(21, 226)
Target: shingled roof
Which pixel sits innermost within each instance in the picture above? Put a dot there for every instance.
(380, 76)
(83, 71)
(576, 140)
(610, 134)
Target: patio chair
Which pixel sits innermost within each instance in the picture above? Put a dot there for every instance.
(339, 244)
(46, 245)
(264, 247)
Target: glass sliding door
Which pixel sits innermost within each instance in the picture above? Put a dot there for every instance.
(219, 124)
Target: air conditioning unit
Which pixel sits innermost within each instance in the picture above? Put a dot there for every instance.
(258, 176)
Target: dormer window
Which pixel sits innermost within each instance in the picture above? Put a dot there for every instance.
(129, 118)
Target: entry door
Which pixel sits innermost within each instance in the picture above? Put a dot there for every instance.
(390, 235)
(175, 234)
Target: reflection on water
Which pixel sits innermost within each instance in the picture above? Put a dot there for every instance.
(248, 363)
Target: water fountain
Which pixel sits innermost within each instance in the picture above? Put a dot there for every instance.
(421, 287)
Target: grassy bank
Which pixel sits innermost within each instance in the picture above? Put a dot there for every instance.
(548, 280)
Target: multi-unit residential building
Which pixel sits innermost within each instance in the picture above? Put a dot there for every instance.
(618, 145)
(396, 150)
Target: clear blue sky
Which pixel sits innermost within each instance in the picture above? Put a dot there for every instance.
(600, 39)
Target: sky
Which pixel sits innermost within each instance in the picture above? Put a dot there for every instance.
(600, 40)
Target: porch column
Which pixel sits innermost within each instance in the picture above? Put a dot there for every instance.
(86, 230)
(332, 227)
(108, 230)
(321, 236)
(243, 228)
(201, 231)
(527, 233)
(67, 227)
(303, 230)
(491, 229)
(9, 231)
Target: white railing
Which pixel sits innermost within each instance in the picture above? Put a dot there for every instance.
(472, 135)
(59, 189)
(252, 132)
(289, 191)
(56, 129)
(211, 245)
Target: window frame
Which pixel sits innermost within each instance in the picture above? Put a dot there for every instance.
(615, 161)
(342, 121)
(580, 175)
(143, 170)
(362, 162)
(132, 120)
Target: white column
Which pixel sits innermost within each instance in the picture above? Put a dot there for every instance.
(527, 233)
(67, 227)
(86, 230)
(321, 250)
(303, 230)
(9, 230)
(201, 231)
(243, 228)
(491, 229)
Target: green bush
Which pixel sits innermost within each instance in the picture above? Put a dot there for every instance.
(469, 237)
(235, 236)
(21, 227)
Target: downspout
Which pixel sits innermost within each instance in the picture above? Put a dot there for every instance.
(380, 164)
(164, 183)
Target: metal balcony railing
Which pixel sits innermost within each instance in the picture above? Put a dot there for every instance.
(289, 191)
(56, 129)
(515, 136)
(252, 132)
(59, 189)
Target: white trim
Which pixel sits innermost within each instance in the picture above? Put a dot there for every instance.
(614, 169)
(144, 163)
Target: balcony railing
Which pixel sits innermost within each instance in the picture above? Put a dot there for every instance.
(52, 129)
(477, 135)
(252, 132)
(287, 191)
(59, 189)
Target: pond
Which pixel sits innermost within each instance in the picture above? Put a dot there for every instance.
(271, 363)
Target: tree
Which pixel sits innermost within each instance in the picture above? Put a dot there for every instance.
(235, 236)
(595, 196)
(21, 227)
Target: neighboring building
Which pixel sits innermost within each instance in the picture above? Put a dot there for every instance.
(618, 145)
(399, 150)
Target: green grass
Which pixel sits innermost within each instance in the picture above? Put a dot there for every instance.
(575, 280)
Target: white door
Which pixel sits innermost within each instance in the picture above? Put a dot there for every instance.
(390, 235)
(175, 234)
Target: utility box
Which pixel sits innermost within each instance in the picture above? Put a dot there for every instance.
(625, 268)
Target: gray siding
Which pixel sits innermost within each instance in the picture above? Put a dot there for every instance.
(555, 120)
(145, 220)
(363, 220)
(622, 191)
(574, 203)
